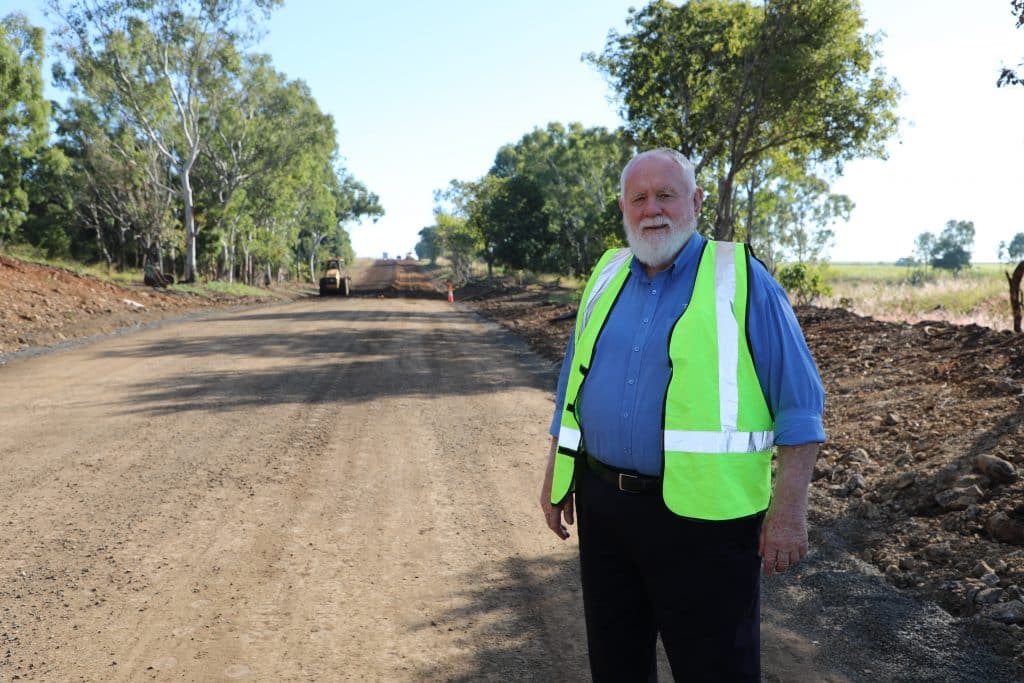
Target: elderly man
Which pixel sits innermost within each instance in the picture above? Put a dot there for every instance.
(685, 369)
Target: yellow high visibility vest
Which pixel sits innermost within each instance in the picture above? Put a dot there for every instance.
(717, 430)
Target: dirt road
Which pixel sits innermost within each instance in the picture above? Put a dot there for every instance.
(338, 490)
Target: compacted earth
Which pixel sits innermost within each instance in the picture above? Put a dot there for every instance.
(919, 484)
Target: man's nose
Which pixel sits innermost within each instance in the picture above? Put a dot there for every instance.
(652, 207)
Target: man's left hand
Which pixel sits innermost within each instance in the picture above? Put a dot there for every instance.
(783, 541)
(783, 538)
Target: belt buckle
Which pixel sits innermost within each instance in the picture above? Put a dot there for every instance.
(627, 476)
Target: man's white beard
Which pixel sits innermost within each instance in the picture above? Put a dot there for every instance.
(659, 248)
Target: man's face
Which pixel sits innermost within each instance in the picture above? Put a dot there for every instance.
(659, 209)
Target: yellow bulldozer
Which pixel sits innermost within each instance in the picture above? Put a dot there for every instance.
(335, 280)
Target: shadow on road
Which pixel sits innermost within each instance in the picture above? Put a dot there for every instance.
(522, 620)
(344, 361)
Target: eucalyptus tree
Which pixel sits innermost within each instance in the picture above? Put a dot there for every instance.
(272, 125)
(1014, 251)
(950, 249)
(728, 81)
(460, 242)
(785, 211)
(429, 246)
(576, 171)
(162, 65)
(510, 214)
(24, 113)
(120, 184)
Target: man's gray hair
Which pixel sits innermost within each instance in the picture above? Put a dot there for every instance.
(685, 164)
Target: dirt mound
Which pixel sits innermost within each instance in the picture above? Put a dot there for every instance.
(393, 277)
(921, 476)
(41, 305)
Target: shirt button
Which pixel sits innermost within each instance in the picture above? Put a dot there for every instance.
(625, 415)
(654, 291)
(632, 381)
(636, 348)
(646, 320)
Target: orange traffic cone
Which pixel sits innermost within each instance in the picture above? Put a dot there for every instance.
(451, 293)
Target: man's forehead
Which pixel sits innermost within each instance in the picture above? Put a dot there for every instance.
(656, 172)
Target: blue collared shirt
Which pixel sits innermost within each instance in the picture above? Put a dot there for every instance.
(623, 396)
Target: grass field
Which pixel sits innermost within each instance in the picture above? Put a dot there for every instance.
(888, 292)
(978, 295)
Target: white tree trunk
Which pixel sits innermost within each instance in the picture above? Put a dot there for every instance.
(190, 223)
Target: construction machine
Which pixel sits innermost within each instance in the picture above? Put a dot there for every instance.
(335, 280)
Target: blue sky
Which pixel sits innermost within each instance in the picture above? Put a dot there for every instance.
(422, 93)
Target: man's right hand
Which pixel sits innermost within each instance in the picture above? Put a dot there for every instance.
(554, 514)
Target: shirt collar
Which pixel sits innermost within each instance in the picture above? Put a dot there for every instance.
(691, 251)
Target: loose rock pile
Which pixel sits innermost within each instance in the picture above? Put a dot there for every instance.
(921, 476)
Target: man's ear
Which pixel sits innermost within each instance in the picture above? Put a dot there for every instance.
(698, 200)
(622, 206)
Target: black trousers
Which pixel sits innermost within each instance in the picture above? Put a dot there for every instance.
(647, 571)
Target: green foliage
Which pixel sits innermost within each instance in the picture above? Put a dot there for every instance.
(51, 203)
(162, 67)
(803, 283)
(951, 249)
(509, 214)
(577, 170)
(549, 201)
(215, 160)
(1010, 76)
(429, 246)
(460, 243)
(785, 212)
(729, 83)
(1014, 251)
(23, 117)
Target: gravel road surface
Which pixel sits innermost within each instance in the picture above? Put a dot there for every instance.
(334, 490)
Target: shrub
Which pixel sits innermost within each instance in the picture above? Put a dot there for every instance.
(804, 284)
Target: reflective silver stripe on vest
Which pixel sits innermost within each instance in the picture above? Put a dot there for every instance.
(604, 278)
(728, 337)
(569, 438)
(728, 440)
(718, 442)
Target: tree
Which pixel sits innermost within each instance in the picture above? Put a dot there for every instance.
(119, 185)
(576, 171)
(51, 203)
(786, 211)
(728, 82)
(24, 113)
(460, 242)
(429, 246)
(274, 128)
(1013, 251)
(160, 64)
(924, 247)
(951, 249)
(1010, 76)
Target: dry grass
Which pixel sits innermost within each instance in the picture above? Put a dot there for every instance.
(979, 295)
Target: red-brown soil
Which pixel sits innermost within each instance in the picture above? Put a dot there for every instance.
(905, 482)
(920, 477)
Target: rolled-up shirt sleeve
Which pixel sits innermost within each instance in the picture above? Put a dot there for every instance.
(563, 381)
(785, 368)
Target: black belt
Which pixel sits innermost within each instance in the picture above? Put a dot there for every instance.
(631, 482)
